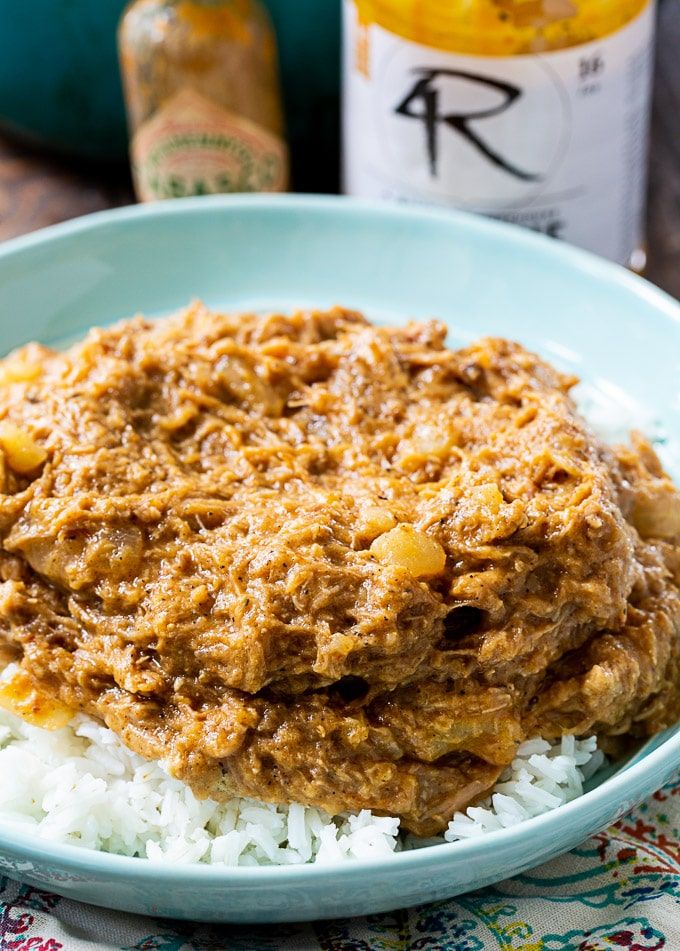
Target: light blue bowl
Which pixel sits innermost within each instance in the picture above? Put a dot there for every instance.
(480, 277)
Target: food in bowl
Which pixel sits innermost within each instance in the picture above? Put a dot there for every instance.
(81, 785)
(304, 559)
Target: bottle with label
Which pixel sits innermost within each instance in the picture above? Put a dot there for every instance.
(532, 111)
(203, 98)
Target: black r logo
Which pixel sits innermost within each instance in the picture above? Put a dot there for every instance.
(426, 92)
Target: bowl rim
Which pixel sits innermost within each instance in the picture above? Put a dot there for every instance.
(577, 258)
(622, 785)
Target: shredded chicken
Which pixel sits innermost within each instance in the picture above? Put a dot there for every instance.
(309, 559)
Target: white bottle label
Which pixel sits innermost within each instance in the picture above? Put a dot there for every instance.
(555, 141)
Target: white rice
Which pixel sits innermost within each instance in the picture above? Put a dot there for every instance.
(542, 777)
(81, 785)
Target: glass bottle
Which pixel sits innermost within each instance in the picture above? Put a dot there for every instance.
(532, 111)
(203, 98)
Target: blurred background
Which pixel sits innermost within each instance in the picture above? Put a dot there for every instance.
(60, 84)
(63, 132)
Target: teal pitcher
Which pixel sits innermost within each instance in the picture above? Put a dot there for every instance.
(59, 81)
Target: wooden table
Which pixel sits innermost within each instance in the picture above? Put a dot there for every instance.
(36, 190)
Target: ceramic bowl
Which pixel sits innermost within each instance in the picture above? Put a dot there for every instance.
(481, 277)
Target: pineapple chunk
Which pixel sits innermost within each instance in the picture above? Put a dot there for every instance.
(375, 521)
(22, 452)
(408, 548)
(19, 370)
(21, 695)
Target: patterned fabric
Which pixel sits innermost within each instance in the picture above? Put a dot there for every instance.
(619, 891)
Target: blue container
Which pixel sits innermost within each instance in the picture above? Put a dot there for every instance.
(59, 78)
(308, 32)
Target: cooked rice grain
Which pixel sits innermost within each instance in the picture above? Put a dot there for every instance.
(81, 785)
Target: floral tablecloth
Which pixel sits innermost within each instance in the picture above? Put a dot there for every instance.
(619, 890)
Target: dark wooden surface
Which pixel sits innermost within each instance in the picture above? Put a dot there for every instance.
(38, 190)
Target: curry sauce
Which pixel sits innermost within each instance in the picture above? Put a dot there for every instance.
(304, 558)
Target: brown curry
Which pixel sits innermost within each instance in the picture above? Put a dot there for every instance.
(309, 559)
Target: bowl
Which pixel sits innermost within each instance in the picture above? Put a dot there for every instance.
(481, 277)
